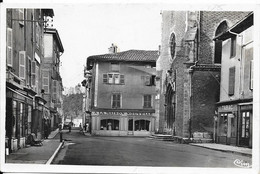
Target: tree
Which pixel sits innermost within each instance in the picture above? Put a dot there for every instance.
(72, 105)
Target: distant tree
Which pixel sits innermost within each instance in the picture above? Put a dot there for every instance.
(72, 105)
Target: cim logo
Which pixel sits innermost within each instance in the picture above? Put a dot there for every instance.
(242, 163)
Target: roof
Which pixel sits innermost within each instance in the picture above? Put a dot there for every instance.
(127, 56)
(239, 27)
(57, 37)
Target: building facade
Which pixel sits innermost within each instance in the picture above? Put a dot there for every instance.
(24, 51)
(51, 79)
(26, 108)
(189, 69)
(120, 93)
(235, 108)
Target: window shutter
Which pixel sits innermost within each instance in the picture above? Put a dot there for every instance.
(147, 80)
(122, 79)
(22, 64)
(9, 56)
(104, 78)
(233, 47)
(54, 90)
(21, 16)
(251, 74)
(231, 87)
(45, 82)
(33, 71)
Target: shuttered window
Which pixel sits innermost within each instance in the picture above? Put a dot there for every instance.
(9, 51)
(104, 78)
(45, 81)
(147, 101)
(22, 64)
(33, 72)
(122, 79)
(54, 90)
(231, 87)
(21, 16)
(116, 100)
(37, 78)
(37, 35)
(251, 74)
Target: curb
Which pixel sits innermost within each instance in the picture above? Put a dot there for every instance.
(55, 153)
(240, 153)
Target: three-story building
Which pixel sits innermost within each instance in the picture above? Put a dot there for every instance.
(122, 92)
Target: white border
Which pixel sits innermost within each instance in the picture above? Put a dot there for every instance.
(166, 5)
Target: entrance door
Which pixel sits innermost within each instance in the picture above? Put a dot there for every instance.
(230, 128)
(245, 128)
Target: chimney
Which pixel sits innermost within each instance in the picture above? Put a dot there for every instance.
(112, 49)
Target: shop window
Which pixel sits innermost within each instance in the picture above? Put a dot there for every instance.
(9, 45)
(223, 124)
(233, 47)
(130, 125)
(109, 124)
(29, 120)
(147, 101)
(14, 118)
(116, 100)
(231, 84)
(21, 120)
(142, 125)
(245, 124)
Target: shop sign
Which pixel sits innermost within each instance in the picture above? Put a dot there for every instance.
(228, 108)
(121, 113)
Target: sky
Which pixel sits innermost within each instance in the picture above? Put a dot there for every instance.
(90, 29)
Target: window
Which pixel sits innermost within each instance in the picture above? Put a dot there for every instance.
(29, 73)
(231, 87)
(115, 67)
(251, 74)
(54, 90)
(223, 124)
(9, 45)
(109, 124)
(245, 124)
(38, 31)
(45, 82)
(37, 79)
(22, 64)
(147, 101)
(33, 71)
(218, 43)
(21, 16)
(233, 47)
(142, 125)
(149, 80)
(114, 78)
(116, 100)
(172, 45)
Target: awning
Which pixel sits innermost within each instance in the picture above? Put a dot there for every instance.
(151, 71)
(190, 35)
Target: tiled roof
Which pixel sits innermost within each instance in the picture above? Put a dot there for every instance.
(130, 55)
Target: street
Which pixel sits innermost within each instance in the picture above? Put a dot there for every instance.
(138, 151)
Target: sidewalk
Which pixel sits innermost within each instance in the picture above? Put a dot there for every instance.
(36, 154)
(225, 148)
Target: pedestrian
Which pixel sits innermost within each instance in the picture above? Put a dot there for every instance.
(80, 127)
(46, 130)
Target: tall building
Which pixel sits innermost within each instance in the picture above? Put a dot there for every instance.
(120, 93)
(25, 105)
(235, 108)
(189, 69)
(51, 79)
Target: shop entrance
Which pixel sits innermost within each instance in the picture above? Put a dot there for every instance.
(245, 128)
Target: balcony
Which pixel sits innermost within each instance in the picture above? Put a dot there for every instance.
(14, 80)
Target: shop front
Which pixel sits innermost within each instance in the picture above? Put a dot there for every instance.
(122, 124)
(18, 118)
(234, 124)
